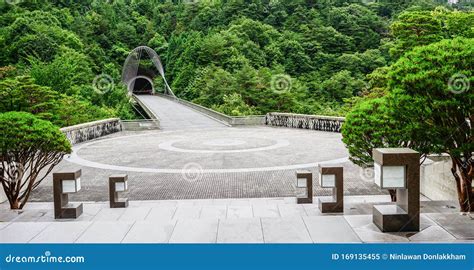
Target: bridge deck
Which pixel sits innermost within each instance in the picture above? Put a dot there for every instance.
(175, 116)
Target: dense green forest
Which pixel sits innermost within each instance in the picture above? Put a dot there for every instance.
(239, 57)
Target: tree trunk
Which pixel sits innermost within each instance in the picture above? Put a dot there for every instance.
(393, 194)
(15, 204)
(462, 173)
(466, 199)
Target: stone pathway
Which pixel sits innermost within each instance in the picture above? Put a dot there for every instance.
(174, 115)
(269, 220)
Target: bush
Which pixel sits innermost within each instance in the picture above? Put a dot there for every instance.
(27, 146)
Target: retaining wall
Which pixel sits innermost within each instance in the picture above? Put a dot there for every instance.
(88, 131)
(303, 121)
(436, 180)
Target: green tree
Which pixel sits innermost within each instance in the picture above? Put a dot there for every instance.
(415, 29)
(421, 27)
(22, 94)
(358, 22)
(341, 85)
(330, 39)
(68, 70)
(210, 86)
(29, 149)
(72, 111)
(234, 105)
(430, 87)
(429, 107)
(39, 34)
(369, 126)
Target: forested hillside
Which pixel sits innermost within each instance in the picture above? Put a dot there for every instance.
(239, 57)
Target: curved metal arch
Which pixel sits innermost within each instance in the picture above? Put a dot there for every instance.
(131, 64)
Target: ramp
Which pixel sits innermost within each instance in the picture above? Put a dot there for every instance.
(175, 116)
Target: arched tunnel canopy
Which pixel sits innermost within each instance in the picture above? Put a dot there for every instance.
(133, 73)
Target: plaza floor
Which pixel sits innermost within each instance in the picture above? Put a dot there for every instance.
(209, 163)
(261, 220)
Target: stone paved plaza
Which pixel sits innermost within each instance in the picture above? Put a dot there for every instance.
(270, 220)
(212, 163)
(199, 181)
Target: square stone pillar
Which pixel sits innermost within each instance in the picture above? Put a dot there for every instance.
(63, 184)
(304, 181)
(398, 168)
(118, 183)
(332, 177)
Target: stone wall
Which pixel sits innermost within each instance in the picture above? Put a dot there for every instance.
(140, 124)
(248, 120)
(303, 121)
(88, 131)
(436, 180)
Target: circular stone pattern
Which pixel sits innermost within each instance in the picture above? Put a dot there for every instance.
(223, 142)
(223, 145)
(215, 150)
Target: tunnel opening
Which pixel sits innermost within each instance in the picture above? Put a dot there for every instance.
(142, 85)
(145, 62)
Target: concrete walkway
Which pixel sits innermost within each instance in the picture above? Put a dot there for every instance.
(275, 220)
(175, 116)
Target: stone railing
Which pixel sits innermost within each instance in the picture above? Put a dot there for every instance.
(141, 124)
(248, 120)
(303, 121)
(88, 131)
(315, 122)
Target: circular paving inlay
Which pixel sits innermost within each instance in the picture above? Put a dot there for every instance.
(223, 142)
(169, 146)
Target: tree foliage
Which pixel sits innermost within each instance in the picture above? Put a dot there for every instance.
(64, 45)
(27, 146)
(429, 107)
(21, 93)
(431, 89)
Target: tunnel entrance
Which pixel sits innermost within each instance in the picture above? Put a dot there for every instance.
(151, 67)
(141, 85)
